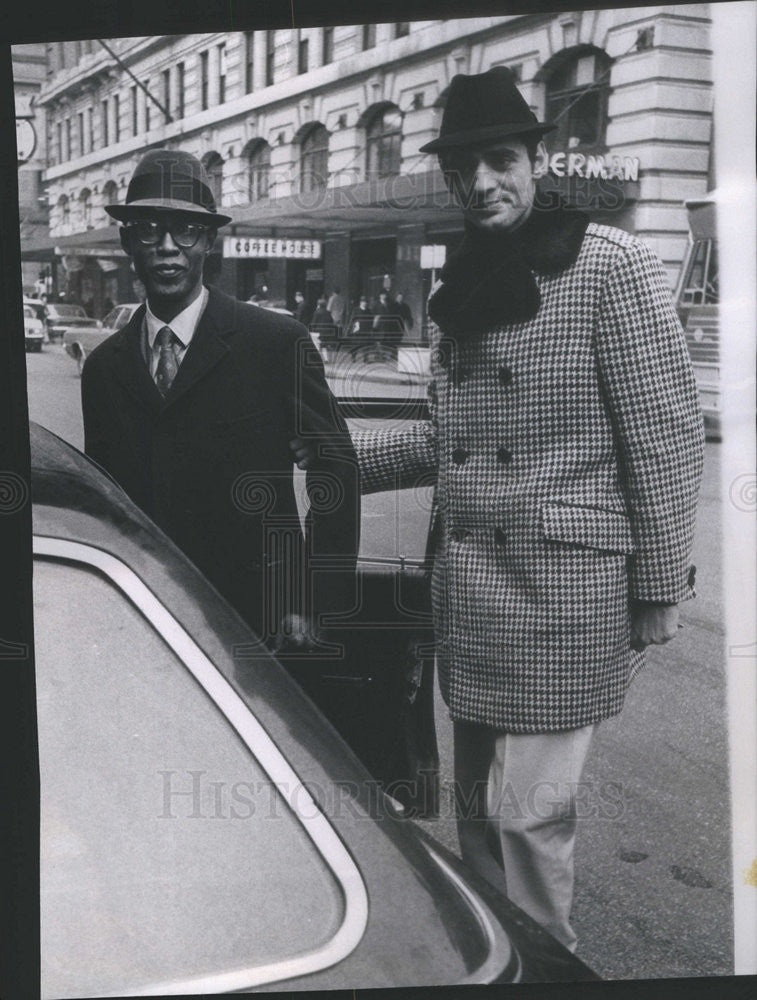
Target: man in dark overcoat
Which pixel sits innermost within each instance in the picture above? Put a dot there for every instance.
(566, 442)
(191, 408)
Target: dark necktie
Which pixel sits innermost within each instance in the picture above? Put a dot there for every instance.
(165, 373)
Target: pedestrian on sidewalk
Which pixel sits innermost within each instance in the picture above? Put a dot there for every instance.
(336, 305)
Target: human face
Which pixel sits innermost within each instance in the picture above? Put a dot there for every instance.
(495, 184)
(171, 274)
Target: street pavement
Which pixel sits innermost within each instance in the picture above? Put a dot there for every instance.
(653, 877)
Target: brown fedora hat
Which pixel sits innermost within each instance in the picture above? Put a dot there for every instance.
(484, 107)
(172, 180)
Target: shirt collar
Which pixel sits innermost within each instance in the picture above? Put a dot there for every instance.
(183, 325)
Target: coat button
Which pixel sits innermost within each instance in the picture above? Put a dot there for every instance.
(499, 536)
(461, 375)
(458, 534)
(504, 455)
(459, 456)
(505, 375)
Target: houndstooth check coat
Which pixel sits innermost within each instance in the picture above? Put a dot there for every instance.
(567, 451)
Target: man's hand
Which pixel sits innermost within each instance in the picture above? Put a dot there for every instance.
(653, 625)
(304, 453)
(295, 635)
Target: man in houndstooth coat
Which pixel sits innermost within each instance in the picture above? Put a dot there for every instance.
(566, 442)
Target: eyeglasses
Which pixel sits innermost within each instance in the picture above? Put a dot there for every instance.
(150, 233)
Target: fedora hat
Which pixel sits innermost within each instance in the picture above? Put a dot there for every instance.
(172, 180)
(484, 107)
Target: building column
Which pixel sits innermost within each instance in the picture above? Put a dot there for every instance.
(213, 69)
(336, 267)
(408, 277)
(258, 60)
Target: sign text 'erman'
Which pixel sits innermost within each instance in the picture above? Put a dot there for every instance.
(624, 168)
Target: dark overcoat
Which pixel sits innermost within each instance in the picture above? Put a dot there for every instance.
(567, 449)
(211, 463)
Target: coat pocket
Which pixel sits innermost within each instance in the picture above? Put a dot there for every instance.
(587, 527)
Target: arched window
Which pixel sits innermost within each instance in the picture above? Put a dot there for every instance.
(85, 207)
(577, 87)
(110, 197)
(258, 170)
(64, 212)
(314, 159)
(213, 163)
(383, 141)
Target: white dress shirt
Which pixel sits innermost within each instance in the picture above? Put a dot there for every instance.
(183, 326)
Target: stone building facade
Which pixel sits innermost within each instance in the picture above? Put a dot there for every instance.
(311, 138)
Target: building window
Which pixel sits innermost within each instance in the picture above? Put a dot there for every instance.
(369, 36)
(213, 163)
(59, 140)
(401, 29)
(116, 118)
(221, 73)
(576, 99)
(148, 105)
(180, 91)
(110, 197)
(249, 61)
(270, 55)
(204, 80)
(259, 170)
(134, 111)
(328, 46)
(68, 139)
(90, 118)
(104, 130)
(303, 46)
(384, 140)
(80, 123)
(167, 92)
(85, 202)
(64, 210)
(314, 159)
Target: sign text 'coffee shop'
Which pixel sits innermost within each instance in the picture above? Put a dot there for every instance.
(249, 247)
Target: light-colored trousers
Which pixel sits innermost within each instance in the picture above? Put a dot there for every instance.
(516, 815)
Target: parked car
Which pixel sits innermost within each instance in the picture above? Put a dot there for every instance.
(79, 341)
(203, 827)
(60, 316)
(34, 328)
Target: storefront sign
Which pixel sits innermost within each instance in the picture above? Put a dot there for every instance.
(433, 256)
(624, 168)
(314, 274)
(256, 246)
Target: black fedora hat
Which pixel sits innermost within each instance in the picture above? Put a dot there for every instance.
(172, 180)
(484, 107)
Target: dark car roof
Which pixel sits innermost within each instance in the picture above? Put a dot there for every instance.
(75, 500)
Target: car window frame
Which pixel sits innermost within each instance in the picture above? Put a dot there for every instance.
(266, 753)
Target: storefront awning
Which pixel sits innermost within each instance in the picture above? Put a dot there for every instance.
(103, 241)
(405, 199)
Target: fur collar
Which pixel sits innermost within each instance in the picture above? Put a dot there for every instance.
(488, 280)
